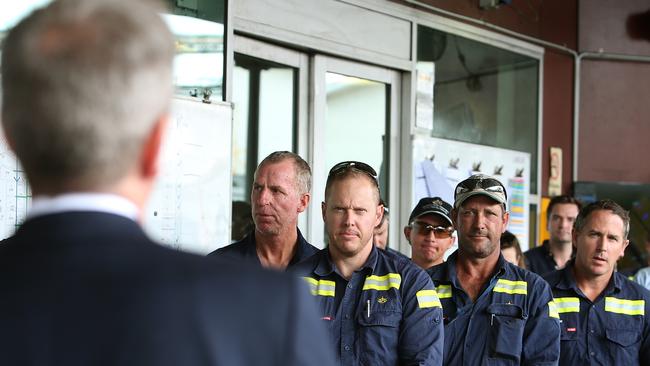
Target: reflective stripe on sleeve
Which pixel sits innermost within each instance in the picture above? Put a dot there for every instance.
(567, 304)
(444, 291)
(321, 287)
(622, 306)
(511, 287)
(552, 310)
(391, 280)
(428, 299)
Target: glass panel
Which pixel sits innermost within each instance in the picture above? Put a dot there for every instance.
(482, 94)
(357, 120)
(264, 95)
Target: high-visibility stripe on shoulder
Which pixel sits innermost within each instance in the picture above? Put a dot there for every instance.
(428, 299)
(321, 287)
(624, 306)
(385, 282)
(511, 287)
(552, 310)
(444, 291)
(567, 304)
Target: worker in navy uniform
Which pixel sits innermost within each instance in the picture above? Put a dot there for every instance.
(604, 315)
(495, 313)
(429, 231)
(379, 307)
(380, 233)
(86, 91)
(555, 252)
(280, 193)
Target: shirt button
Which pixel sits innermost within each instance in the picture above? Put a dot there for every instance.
(592, 353)
(347, 348)
(592, 331)
(349, 285)
(347, 316)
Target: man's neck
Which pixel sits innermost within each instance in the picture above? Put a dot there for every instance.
(591, 286)
(474, 272)
(276, 250)
(425, 264)
(561, 252)
(347, 265)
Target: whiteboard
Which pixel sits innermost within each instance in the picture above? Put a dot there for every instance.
(190, 207)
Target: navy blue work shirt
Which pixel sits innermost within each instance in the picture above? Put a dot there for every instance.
(512, 321)
(540, 259)
(245, 250)
(386, 314)
(612, 330)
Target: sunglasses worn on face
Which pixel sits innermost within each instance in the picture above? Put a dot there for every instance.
(353, 165)
(440, 232)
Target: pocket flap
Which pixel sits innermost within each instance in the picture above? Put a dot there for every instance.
(624, 337)
(512, 310)
(383, 318)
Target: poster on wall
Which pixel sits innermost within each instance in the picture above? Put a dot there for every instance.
(439, 165)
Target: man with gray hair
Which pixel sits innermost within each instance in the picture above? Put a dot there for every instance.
(280, 193)
(604, 315)
(86, 96)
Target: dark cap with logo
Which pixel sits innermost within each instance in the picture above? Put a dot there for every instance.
(480, 184)
(431, 205)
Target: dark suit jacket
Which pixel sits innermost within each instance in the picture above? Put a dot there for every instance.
(89, 288)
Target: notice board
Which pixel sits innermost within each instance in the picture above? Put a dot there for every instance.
(190, 207)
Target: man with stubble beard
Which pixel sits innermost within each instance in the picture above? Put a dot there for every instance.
(494, 311)
(380, 308)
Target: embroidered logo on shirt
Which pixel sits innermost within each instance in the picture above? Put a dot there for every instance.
(382, 300)
(571, 329)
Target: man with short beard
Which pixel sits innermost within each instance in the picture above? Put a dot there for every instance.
(280, 193)
(380, 308)
(494, 311)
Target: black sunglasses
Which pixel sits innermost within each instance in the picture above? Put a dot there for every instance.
(440, 232)
(352, 165)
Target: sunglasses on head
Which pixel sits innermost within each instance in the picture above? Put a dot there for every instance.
(440, 232)
(353, 165)
(488, 185)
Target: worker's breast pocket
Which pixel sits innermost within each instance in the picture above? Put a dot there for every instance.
(624, 337)
(379, 315)
(507, 323)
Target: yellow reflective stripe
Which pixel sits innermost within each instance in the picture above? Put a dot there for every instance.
(552, 310)
(428, 299)
(511, 287)
(391, 280)
(622, 306)
(320, 287)
(444, 291)
(567, 304)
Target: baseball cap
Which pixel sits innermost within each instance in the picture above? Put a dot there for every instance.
(480, 184)
(431, 205)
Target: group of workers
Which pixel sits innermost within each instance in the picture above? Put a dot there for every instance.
(86, 91)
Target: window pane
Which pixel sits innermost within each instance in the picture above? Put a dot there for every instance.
(198, 26)
(482, 94)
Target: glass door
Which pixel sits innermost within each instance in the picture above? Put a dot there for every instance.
(355, 117)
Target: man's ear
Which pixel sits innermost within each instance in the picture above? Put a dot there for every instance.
(304, 202)
(149, 163)
(407, 233)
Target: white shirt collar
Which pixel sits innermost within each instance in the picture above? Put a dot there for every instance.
(98, 202)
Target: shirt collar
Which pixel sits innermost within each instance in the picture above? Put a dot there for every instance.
(568, 280)
(97, 202)
(325, 266)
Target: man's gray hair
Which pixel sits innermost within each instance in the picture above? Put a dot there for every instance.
(302, 169)
(84, 82)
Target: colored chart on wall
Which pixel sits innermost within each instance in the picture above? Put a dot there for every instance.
(439, 165)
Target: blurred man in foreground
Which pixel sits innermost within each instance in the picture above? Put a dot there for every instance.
(86, 96)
